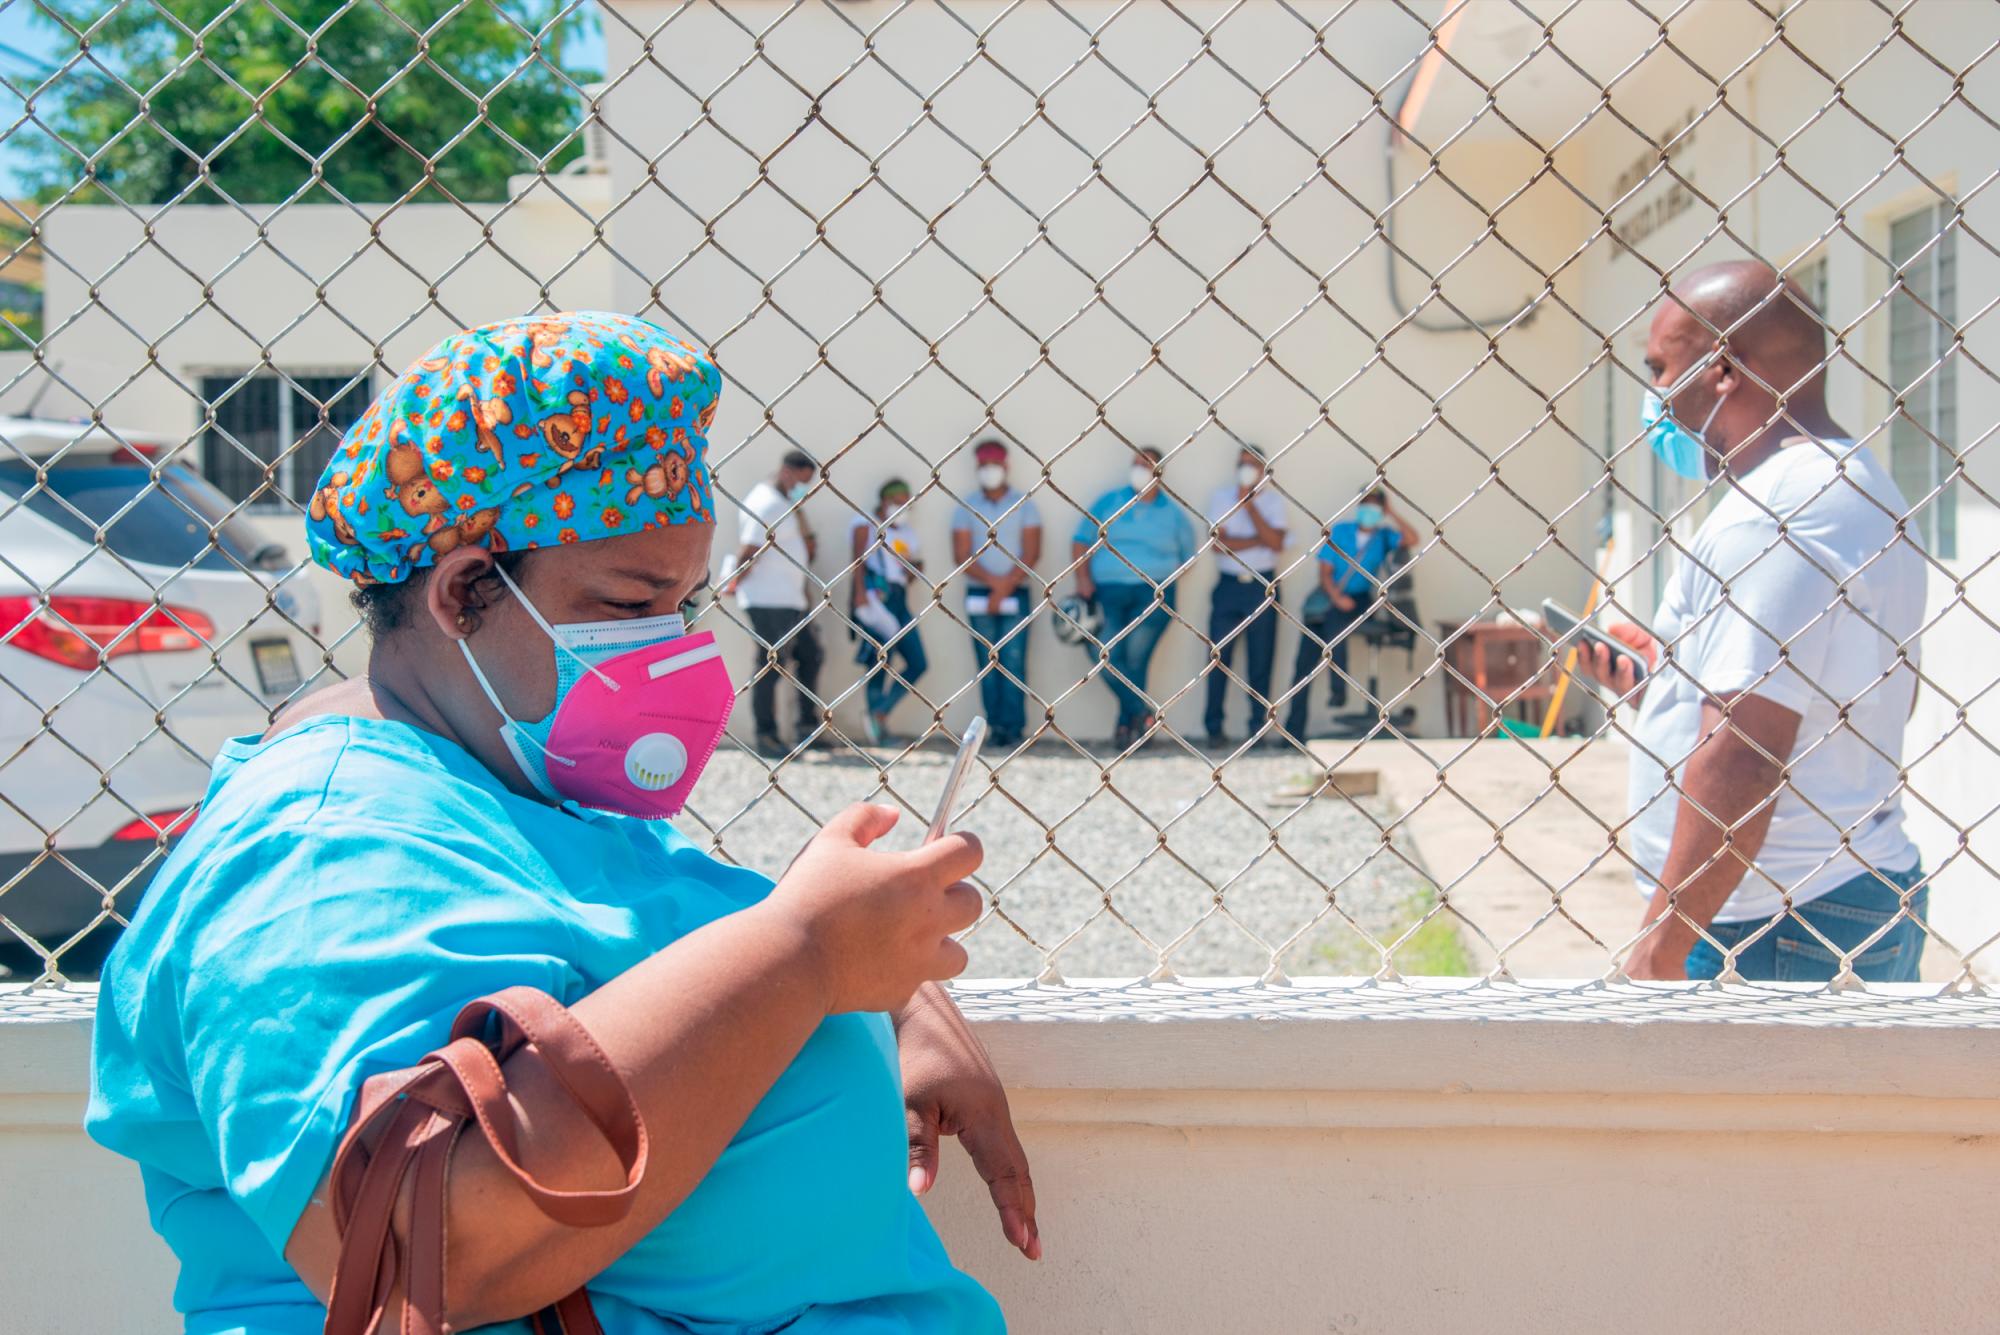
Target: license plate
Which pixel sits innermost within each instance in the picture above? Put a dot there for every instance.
(277, 667)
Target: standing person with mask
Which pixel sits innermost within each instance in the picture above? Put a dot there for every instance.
(1247, 529)
(1766, 760)
(1137, 540)
(1354, 552)
(485, 814)
(1004, 527)
(887, 554)
(771, 578)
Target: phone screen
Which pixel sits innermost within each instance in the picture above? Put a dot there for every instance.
(961, 765)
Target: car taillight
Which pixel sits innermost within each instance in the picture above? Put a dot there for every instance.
(93, 624)
(164, 825)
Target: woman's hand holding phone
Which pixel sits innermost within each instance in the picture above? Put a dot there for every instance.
(878, 924)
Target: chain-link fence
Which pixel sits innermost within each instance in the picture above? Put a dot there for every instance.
(1210, 394)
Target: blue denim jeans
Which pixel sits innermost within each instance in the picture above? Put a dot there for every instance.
(885, 687)
(1003, 661)
(1239, 610)
(1128, 652)
(1846, 916)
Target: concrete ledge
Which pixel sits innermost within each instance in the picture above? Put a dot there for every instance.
(1345, 1156)
(1458, 1036)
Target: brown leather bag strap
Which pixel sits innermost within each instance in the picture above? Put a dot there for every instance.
(414, 1117)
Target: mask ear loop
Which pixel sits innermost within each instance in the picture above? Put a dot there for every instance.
(549, 631)
(511, 728)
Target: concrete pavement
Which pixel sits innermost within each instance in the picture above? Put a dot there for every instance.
(1506, 831)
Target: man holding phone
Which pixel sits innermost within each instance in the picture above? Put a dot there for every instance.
(1766, 757)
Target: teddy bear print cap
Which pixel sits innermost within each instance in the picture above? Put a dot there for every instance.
(520, 434)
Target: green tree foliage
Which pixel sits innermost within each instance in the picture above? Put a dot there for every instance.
(254, 96)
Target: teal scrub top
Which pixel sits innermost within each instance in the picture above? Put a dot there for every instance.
(347, 888)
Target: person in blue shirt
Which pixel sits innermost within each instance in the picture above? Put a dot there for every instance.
(407, 841)
(1349, 560)
(1138, 540)
(996, 539)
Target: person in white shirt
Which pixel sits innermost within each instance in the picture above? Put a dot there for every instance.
(1765, 760)
(1246, 518)
(770, 576)
(887, 554)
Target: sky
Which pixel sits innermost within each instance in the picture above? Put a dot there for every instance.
(22, 41)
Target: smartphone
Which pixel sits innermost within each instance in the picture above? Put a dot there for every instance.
(961, 765)
(1565, 623)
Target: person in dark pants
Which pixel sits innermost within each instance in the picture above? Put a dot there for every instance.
(1137, 539)
(1349, 559)
(1247, 528)
(886, 556)
(1004, 528)
(770, 576)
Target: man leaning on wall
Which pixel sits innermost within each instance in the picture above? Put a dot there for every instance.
(1765, 784)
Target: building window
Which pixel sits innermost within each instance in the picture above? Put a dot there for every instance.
(1811, 278)
(1923, 314)
(274, 432)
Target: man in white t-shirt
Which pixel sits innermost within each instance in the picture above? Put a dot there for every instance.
(1765, 760)
(770, 575)
(1246, 518)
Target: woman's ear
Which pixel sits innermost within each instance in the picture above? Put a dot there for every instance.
(453, 595)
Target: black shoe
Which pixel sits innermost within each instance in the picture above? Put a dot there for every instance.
(817, 741)
(1218, 742)
(769, 747)
(1122, 739)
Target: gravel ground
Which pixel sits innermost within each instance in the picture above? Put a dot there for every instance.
(1060, 838)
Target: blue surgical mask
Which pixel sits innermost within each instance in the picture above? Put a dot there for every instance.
(797, 492)
(1678, 448)
(1368, 516)
(580, 646)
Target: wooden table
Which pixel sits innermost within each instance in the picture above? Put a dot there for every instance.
(1500, 659)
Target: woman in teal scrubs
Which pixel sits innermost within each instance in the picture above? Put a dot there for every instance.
(521, 508)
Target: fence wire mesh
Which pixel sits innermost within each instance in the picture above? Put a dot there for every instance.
(1388, 254)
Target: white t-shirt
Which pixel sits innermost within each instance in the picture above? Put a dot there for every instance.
(1226, 500)
(1742, 589)
(891, 546)
(776, 576)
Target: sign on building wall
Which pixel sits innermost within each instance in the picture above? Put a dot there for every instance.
(1668, 196)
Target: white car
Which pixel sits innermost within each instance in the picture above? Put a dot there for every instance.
(126, 659)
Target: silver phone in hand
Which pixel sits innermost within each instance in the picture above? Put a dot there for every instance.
(1566, 624)
(961, 765)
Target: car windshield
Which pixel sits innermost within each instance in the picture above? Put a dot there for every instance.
(166, 525)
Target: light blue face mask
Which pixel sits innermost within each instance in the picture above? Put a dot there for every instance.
(1368, 516)
(579, 647)
(1678, 448)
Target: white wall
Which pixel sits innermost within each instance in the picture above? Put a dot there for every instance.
(137, 309)
(1320, 1158)
(822, 294)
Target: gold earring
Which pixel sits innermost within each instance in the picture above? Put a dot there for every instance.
(464, 623)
